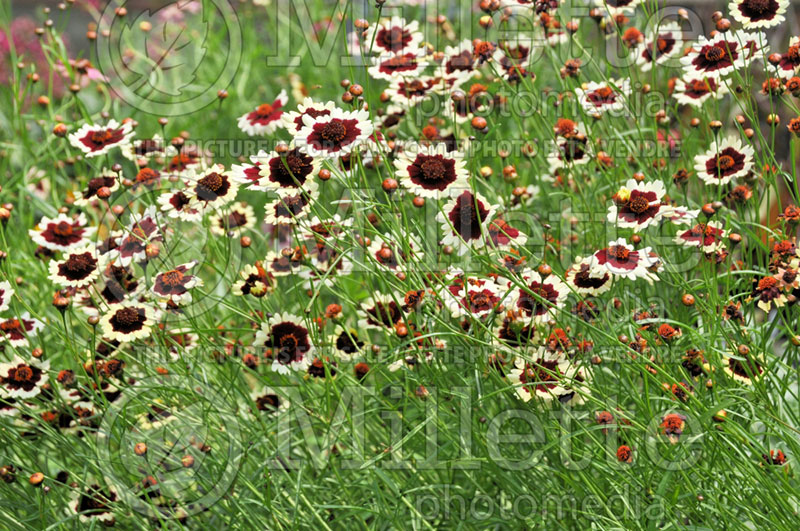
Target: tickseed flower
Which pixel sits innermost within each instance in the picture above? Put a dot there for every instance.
(624, 454)
(753, 14)
(6, 292)
(176, 283)
(333, 135)
(588, 277)
(127, 322)
(721, 55)
(724, 161)
(268, 401)
(214, 187)
(289, 340)
(106, 179)
(181, 204)
(142, 230)
(22, 379)
(345, 343)
(470, 296)
(598, 98)
(62, 232)
(395, 256)
(431, 171)
(148, 148)
(78, 269)
(293, 121)
(544, 377)
(93, 503)
(708, 236)
(501, 235)
(621, 259)
(290, 209)
(618, 7)
(17, 330)
(790, 61)
(768, 291)
(638, 205)
(232, 220)
(540, 297)
(381, 312)
(743, 368)
(393, 35)
(254, 280)
(672, 425)
(266, 118)
(666, 44)
(696, 91)
(389, 66)
(287, 172)
(96, 140)
(464, 220)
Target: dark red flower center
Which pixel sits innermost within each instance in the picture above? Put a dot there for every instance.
(211, 182)
(101, 137)
(433, 169)
(715, 53)
(22, 373)
(127, 316)
(64, 228)
(725, 162)
(620, 252)
(79, 265)
(757, 6)
(172, 278)
(639, 204)
(264, 110)
(333, 132)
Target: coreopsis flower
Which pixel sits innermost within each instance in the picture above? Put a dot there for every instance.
(666, 44)
(790, 60)
(540, 297)
(681, 215)
(266, 118)
(181, 340)
(459, 60)
(464, 220)
(214, 187)
(570, 151)
(232, 220)
(722, 54)
(186, 163)
(290, 341)
(775, 457)
(471, 296)
(181, 204)
(638, 205)
(255, 281)
(174, 285)
(345, 343)
(268, 401)
(543, 377)
(93, 503)
(106, 179)
(430, 171)
(21, 379)
(293, 121)
(142, 230)
(768, 291)
(290, 209)
(501, 235)
(672, 426)
(410, 92)
(62, 232)
(17, 330)
(333, 135)
(381, 312)
(597, 98)
(148, 148)
(127, 322)
(395, 256)
(708, 236)
(724, 161)
(321, 368)
(618, 7)
(696, 91)
(6, 292)
(588, 277)
(393, 35)
(388, 66)
(743, 368)
(621, 259)
(287, 172)
(286, 261)
(96, 140)
(753, 14)
(77, 269)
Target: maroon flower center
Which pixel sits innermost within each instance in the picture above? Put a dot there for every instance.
(101, 137)
(127, 316)
(264, 110)
(79, 265)
(22, 373)
(333, 132)
(479, 300)
(757, 6)
(715, 54)
(619, 252)
(725, 162)
(172, 278)
(211, 182)
(63, 228)
(236, 219)
(433, 169)
(639, 205)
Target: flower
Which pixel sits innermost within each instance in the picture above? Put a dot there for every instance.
(176, 283)
(790, 61)
(390, 66)
(381, 312)
(96, 140)
(638, 205)
(21, 379)
(181, 204)
(333, 135)
(142, 230)
(542, 377)
(148, 148)
(78, 270)
(672, 425)
(620, 259)
(743, 368)
(695, 91)
(720, 55)
(289, 340)
(540, 297)
(724, 161)
(501, 235)
(618, 7)
(255, 281)
(106, 179)
(665, 45)
(597, 98)
(393, 35)
(464, 219)
(569, 151)
(293, 121)
(93, 502)
(6, 292)
(768, 291)
(126, 322)
(214, 187)
(708, 236)
(459, 61)
(17, 330)
(62, 232)
(588, 277)
(753, 14)
(470, 296)
(236, 219)
(267, 400)
(288, 210)
(430, 171)
(395, 256)
(346, 344)
(266, 118)
(287, 172)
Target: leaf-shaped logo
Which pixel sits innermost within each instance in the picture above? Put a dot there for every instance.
(163, 53)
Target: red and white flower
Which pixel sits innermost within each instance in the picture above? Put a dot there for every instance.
(598, 98)
(789, 64)
(395, 256)
(96, 140)
(754, 14)
(622, 260)
(20, 379)
(127, 322)
(471, 296)
(289, 340)
(381, 312)
(725, 161)
(290, 209)
(638, 205)
(142, 230)
(390, 66)
(432, 170)
(6, 292)
(459, 61)
(464, 220)
(17, 330)
(618, 7)
(213, 187)
(540, 297)
(255, 281)
(334, 135)
(181, 204)
(287, 172)
(719, 56)
(696, 91)
(106, 179)
(78, 269)
(708, 236)
(232, 221)
(544, 377)
(174, 285)
(293, 121)
(393, 35)
(62, 232)
(93, 503)
(501, 235)
(571, 151)
(148, 148)
(266, 118)
(667, 43)
(588, 277)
